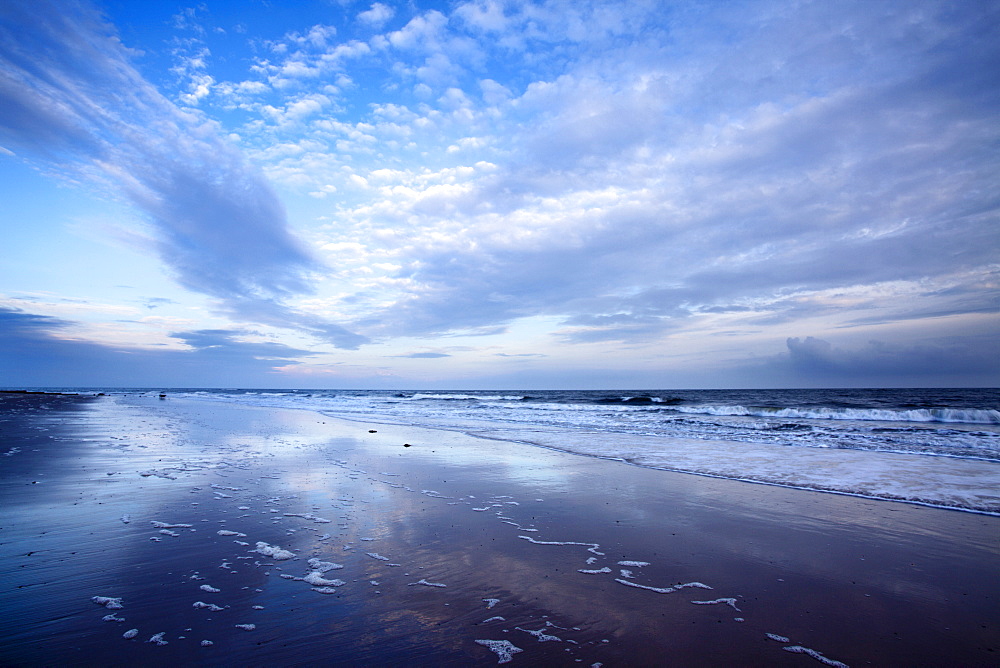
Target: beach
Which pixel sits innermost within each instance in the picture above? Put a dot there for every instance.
(139, 530)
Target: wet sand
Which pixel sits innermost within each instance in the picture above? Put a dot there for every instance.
(185, 511)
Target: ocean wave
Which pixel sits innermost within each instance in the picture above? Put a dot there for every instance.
(464, 397)
(950, 415)
(641, 399)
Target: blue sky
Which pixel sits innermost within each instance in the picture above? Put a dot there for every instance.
(499, 194)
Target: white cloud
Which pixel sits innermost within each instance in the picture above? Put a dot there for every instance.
(377, 16)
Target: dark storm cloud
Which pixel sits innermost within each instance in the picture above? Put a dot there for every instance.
(36, 350)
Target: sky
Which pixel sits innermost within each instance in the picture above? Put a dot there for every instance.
(500, 194)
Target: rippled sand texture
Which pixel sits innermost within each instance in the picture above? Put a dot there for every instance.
(156, 532)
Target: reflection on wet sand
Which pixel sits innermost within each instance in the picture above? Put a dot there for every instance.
(239, 535)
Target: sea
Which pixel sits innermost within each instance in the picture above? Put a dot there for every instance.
(939, 447)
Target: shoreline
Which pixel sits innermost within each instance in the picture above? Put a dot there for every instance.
(852, 579)
(974, 466)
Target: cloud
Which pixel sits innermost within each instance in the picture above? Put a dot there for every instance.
(760, 173)
(36, 351)
(956, 357)
(428, 355)
(155, 302)
(377, 16)
(72, 97)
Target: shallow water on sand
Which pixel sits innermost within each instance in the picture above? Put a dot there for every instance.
(178, 508)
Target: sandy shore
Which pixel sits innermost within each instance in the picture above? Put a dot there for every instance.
(202, 519)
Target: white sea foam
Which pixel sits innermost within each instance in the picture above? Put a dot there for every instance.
(950, 482)
(323, 566)
(490, 602)
(493, 619)
(658, 590)
(591, 547)
(798, 649)
(165, 525)
(246, 627)
(376, 555)
(227, 532)
(728, 601)
(594, 571)
(428, 584)
(776, 637)
(273, 551)
(157, 639)
(663, 590)
(210, 589)
(951, 415)
(131, 633)
(504, 649)
(316, 579)
(633, 563)
(201, 605)
(108, 602)
(541, 635)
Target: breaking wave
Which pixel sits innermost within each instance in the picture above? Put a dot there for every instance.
(950, 415)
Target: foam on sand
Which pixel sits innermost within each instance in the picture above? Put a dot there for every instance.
(591, 547)
(541, 635)
(323, 566)
(325, 590)
(108, 602)
(664, 590)
(798, 649)
(428, 584)
(273, 551)
(316, 579)
(201, 605)
(504, 649)
(728, 601)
